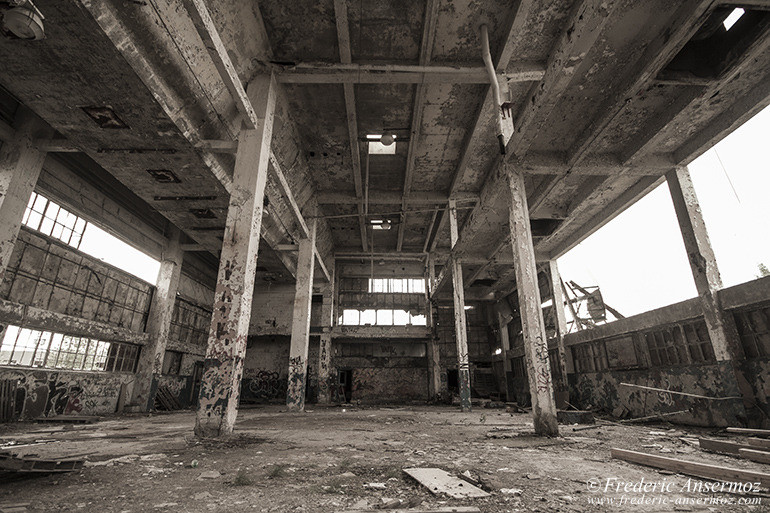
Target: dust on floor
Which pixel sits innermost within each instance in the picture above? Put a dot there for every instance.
(335, 459)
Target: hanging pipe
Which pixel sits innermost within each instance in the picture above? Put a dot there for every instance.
(495, 85)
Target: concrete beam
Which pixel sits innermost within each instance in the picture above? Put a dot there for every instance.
(381, 332)
(533, 325)
(461, 330)
(377, 197)
(300, 328)
(505, 347)
(720, 324)
(150, 366)
(20, 166)
(326, 377)
(218, 404)
(343, 40)
(350, 73)
(39, 319)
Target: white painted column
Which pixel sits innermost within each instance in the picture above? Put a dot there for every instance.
(20, 166)
(325, 347)
(150, 364)
(461, 330)
(432, 348)
(708, 281)
(557, 297)
(300, 326)
(505, 346)
(532, 323)
(220, 386)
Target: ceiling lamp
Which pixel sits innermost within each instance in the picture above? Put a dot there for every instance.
(387, 139)
(24, 21)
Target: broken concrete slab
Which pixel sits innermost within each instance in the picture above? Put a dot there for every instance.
(439, 481)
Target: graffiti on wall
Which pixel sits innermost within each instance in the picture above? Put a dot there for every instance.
(46, 394)
(264, 385)
(389, 384)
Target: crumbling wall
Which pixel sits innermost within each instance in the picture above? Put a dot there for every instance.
(47, 393)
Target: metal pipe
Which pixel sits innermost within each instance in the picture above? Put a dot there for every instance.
(487, 56)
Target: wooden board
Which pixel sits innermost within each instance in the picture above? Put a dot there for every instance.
(439, 481)
(723, 446)
(759, 442)
(755, 455)
(692, 468)
(746, 431)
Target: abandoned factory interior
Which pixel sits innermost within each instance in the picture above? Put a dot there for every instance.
(423, 256)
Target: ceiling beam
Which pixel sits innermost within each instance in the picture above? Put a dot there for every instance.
(350, 73)
(343, 41)
(663, 47)
(379, 197)
(428, 33)
(586, 22)
(653, 130)
(515, 29)
(743, 109)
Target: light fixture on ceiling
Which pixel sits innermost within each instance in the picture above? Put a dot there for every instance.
(734, 16)
(24, 21)
(380, 224)
(387, 139)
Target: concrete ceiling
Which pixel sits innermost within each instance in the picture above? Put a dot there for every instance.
(607, 96)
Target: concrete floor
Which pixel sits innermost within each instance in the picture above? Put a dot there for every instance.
(322, 459)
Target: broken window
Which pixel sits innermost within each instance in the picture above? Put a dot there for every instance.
(51, 219)
(35, 348)
(590, 356)
(754, 330)
(172, 363)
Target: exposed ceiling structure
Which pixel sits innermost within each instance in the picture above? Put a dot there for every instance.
(606, 97)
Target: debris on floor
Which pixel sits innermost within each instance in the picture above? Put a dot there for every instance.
(439, 481)
(14, 463)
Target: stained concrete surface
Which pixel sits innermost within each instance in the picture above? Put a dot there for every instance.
(322, 459)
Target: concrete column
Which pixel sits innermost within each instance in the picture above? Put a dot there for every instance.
(223, 368)
(505, 346)
(461, 331)
(159, 318)
(708, 281)
(20, 166)
(300, 326)
(325, 348)
(533, 326)
(565, 361)
(432, 349)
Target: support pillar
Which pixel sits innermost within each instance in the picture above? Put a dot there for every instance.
(533, 326)
(300, 326)
(434, 356)
(720, 325)
(325, 381)
(461, 331)
(20, 166)
(505, 346)
(223, 367)
(159, 318)
(565, 359)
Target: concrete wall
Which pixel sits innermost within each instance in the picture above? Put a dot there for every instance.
(266, 369)
(42, 393)
(628, 360)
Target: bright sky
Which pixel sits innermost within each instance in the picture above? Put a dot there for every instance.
(100, 244)
(638, 259)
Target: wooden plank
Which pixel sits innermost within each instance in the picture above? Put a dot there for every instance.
(439, 481)
(746, 431)
(759, 442)
(722, 446)
(692, 468)
(755, 455)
